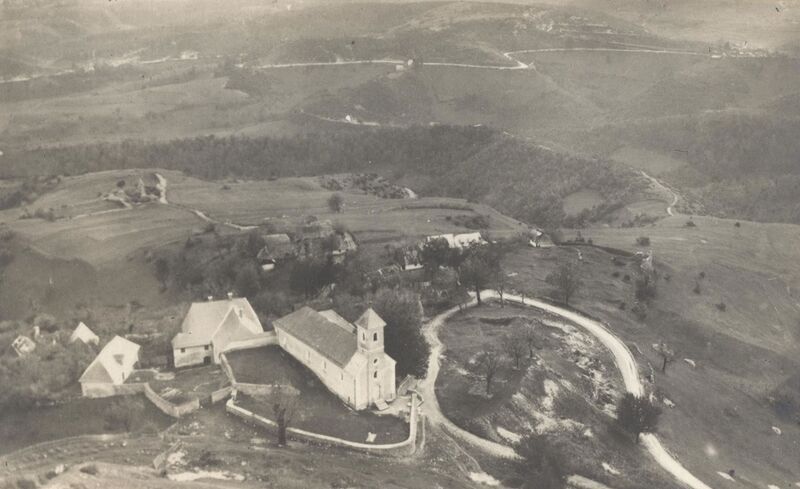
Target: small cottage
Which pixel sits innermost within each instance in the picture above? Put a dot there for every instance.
(277, 248)
(112, 366)
(23, 345)
(84, 334)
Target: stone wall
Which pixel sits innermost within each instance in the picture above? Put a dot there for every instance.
(403, 448)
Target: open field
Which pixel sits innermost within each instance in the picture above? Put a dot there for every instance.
(722, 418)
(319, 411)
(21, 428)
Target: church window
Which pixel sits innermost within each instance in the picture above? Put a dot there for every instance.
(374, 375)
(374, 361)
(374, 336)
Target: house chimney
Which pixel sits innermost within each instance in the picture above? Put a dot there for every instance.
(36, 332)
(230, 295)
(210, 298)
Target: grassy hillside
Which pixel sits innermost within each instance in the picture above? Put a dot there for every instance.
(745, 352)
(523, 180)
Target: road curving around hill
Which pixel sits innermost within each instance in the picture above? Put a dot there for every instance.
(623, 358)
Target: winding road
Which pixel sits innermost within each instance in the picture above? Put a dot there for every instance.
(623, 358)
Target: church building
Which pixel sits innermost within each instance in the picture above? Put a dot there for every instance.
(347, 357)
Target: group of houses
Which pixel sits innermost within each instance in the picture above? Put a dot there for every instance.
(348, 358)
(316, 239)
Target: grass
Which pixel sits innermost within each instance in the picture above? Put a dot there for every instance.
(21, 428)
(722, 418)
(319, 410)
(581, 200)
(565, 390)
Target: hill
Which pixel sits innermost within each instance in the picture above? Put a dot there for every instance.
(726, 300)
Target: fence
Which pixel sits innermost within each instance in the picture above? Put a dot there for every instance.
(405, 447)
(165, 406)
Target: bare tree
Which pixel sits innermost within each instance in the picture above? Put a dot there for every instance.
(566, 279)
(336, 202)
(285, 402)
(667, 355)
(515, 348)
(489, 362)
(529, 337)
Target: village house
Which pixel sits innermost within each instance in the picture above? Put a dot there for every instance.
(459, 241)
(347, 357)
(318, 239)
(84, 334)
(277, 247)
(209, 329)
(115, 363)
(23, 345)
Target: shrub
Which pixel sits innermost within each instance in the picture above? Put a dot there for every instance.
(209, 228)
(702, 275)
(89, 469)
(626, 278)
(637, 414)
(721, 306)
(208, 459)
(696, 288)
(639, 310)
(26, 484)
(615, 274)
(336, 202)
(737, 224)
(643, 241)
(690, 224)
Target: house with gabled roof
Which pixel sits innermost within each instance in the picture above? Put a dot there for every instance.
(277, 247)
(84, 334)
(112, 366)
(348, 358)
(210, 327)
(22, 345)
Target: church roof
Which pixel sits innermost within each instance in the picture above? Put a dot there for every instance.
(316, 330)
(370, 320)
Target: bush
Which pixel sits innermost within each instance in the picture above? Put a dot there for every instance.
(721, 306)
(208, 459)
(737, 224)
(89, 469)
(615, 274)
(690, 224)
(26, 484)
(336, 202)
(643, 241)
(637, 414)
(639, 310)
(696, 288)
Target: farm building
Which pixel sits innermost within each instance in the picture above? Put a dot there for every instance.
(459, 241)
(84, 334)
(23, 345)
(347, 357)
(210, 328)
(115, 362)
(277, 247)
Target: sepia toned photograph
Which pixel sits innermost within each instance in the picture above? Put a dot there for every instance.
(399, 244)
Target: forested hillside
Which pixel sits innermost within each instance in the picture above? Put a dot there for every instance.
(518, 178)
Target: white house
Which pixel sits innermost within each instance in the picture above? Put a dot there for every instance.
(348, 358)
(459, 241)
(23, 345)
(210, 327)
(84, 334)
(115, 362)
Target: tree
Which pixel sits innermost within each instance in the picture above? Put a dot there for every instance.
(285, 402)
(529, 337)
(436, 253)
(566, 279)
(478, 271)
(124, 413)
(402, 311)
(162, 271)
(489, 363)
(336, 202)
(247, 283)
(637, 415)
(309, 276)
(645, 286)
(667, 355)
(515, 348)
(543, 463)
